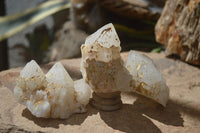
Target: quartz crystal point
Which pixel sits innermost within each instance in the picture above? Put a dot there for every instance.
(148, 80)
(101, 66)
(53, 95)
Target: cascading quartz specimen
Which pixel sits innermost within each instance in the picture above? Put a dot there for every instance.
(53, 95)
(103, 69)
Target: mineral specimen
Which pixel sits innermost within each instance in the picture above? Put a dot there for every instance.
(148, 80)
(101, 66)
(53, 95)
(103, 69)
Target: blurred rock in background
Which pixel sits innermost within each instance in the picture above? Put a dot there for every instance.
(134, 21)
(67, 42)
(179, 29)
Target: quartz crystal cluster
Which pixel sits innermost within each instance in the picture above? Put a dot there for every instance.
(53, 95)
(103, 69)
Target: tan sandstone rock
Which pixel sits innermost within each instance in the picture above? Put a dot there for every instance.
(138, 114)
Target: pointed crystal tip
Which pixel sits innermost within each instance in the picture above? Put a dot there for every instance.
(106, 36)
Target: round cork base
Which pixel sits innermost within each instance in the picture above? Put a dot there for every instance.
(106, 101)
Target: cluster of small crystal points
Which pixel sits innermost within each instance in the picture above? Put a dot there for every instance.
(55, 95)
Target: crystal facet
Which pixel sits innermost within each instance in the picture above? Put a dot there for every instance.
(148, 80)
(103, 69)
(52, 96)
(101, 64)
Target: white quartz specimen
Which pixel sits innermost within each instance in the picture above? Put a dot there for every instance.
(53, 95)
(83, 92)
(31, 79)
(103, 45)
(101, 66)
(148, 80)
(106, 36)
(103, 69)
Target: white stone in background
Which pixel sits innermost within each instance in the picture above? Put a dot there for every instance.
(148, 80)
(53, 95)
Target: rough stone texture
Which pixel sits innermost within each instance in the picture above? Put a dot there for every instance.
(179, 29)
(138, 114)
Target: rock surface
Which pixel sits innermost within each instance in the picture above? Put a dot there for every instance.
(179, 29)
(138, 114)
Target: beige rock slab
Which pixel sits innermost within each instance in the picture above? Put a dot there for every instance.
(138, 114)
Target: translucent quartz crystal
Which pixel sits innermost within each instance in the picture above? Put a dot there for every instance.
(103, 69)
(52, 96)
(101, 66)
(148, 80)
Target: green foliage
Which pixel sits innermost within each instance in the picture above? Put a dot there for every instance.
(157, 50)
